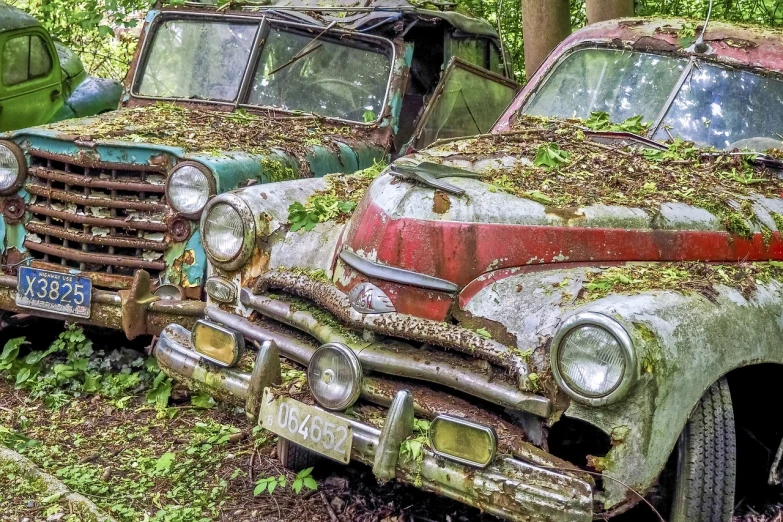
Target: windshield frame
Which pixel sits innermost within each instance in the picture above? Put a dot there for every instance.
(264, 25)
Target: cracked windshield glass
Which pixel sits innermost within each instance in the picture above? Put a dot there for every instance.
(296, 72)
(711, 107)
(206, 60)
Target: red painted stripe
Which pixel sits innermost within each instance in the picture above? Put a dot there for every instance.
(460, 252)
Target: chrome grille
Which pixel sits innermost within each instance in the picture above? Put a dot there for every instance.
(96, 218)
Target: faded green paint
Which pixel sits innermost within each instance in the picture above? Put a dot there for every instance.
(402, 66)
(186, 262)
(14, 237)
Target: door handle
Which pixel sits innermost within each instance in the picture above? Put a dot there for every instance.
(55, 94)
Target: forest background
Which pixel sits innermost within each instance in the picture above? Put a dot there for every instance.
(104, 32)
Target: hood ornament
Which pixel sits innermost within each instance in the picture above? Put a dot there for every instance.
(366, 298)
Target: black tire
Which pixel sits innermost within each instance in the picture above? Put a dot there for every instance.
(707, 461)
(295, 457)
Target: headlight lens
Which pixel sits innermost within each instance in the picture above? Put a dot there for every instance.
(10, 167)
(335, 376)
(188, 189)
(593, 359)
(224, 233)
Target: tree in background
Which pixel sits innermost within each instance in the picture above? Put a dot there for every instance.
(546, 24)
(600, 10)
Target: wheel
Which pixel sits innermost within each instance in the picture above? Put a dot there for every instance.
(707, 461)
(295, 457)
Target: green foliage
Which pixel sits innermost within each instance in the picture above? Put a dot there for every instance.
(97, 30)
(318, 209)
(599, 121)
(269, 484)
(550, 155)
(71, 368)
(302, 480)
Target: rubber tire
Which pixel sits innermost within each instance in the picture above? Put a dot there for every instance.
(707, 461)
(295, 457)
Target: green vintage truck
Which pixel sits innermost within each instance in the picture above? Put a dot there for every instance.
(41, 80)
(100, 215)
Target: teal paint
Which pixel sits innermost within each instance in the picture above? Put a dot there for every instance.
(195, 272)
(15, 236)
(348, 158)
(322, 161)
(2, 234)
(396, 96)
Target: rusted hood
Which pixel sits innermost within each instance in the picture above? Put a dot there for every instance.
(600, 204)
(192, 130)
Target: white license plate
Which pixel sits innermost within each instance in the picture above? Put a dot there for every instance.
(316, 430)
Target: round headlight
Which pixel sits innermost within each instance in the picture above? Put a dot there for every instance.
(189, 188)
(593, 359)
(335, 376)
(224, 232)
(12, 167)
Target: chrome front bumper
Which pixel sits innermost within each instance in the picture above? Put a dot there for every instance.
(509, 488)
(135, 311)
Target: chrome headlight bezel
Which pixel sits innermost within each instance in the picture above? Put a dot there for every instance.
(21, 162)
(631, 370)
(211, 188)
(249, 231)
(354, 368)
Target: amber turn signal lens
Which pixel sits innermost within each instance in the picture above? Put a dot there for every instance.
(463, 441)
(217, 343)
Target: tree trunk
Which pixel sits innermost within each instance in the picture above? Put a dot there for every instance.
(545, 23)
(600, 10)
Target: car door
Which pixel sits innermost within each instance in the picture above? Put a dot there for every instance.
(30, 79)
(467, 101)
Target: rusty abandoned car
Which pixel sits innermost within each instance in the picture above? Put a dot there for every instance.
(42, 80)
(100, 215)
(582, 310)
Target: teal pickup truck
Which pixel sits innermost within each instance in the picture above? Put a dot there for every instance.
(99, 216)
(42, 81)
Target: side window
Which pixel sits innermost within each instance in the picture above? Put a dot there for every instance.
(481, 52)
(468, 101)
(25, 58)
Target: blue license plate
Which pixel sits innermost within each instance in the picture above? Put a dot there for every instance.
(66, 294)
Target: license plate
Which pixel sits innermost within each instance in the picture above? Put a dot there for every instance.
(66, 294)
(316, 430)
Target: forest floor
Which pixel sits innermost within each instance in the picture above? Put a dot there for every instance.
(185, 461)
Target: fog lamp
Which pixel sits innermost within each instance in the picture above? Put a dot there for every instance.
(463, 441)
(169, 292)
(221, 289)
(217, 344)
(335, 376)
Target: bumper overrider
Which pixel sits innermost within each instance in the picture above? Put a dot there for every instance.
(136, 311)
(518, 482)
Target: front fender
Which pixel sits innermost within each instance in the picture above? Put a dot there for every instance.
(93, 96)
(684, 342)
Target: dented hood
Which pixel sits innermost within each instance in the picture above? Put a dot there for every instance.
(546, 193)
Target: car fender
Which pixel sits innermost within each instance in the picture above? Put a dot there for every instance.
(684, 343)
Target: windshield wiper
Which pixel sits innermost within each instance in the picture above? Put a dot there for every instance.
(307, 49)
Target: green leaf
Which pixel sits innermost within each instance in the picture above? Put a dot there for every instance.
(483, 332)
(202, 400)
(11, 349)
(310, 483)
(260, 487)
(550, 155)
(163, 464)
(22, 376)
(369, 116)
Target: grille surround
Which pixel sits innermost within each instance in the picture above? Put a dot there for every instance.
(96, 217)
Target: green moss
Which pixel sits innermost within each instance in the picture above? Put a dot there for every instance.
(778, 219)
(736, 223)
(685, 277)
(275, 170)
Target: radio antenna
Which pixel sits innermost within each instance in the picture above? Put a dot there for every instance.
(701, 47)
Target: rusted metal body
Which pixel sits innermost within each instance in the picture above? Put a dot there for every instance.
(95, 197)
(460, 271)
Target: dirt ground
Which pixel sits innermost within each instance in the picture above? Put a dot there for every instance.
(184, 463)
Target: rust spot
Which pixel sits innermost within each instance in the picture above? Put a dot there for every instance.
(737, 43)
(263, 195)
(630, 23)
(160, 161)
(650, 43)
(179, 228)
(14, 258)
(441, 202)
(13, 209)
(566, 214)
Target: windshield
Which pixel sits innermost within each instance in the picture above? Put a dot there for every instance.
(334, 79)
(714, 107)
(197, 59)
(311, 73)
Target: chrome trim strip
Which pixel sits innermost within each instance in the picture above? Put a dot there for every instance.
(396, 275)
